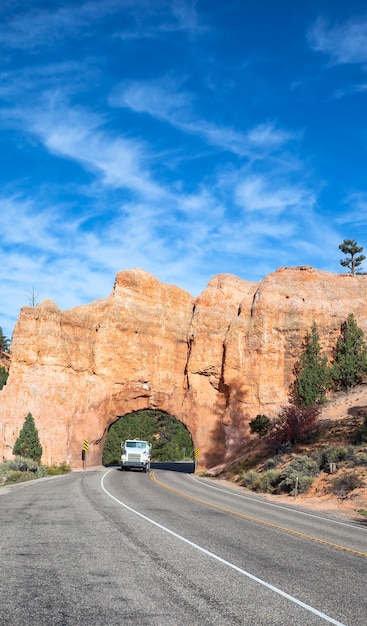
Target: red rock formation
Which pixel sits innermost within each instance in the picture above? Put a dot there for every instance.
(213, 362)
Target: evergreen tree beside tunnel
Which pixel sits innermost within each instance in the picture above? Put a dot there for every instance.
(171, 441)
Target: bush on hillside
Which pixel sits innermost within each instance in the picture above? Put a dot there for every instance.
(345, 483)
(56, 470)
(295, 424)
(260, 425)
(16, 476)
(302, 467)
(273, 462)
(20, 469)
(267, 481)
(248, 479)
(19, 464)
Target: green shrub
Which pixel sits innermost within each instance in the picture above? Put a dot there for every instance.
(20, 469)
(18, 464)
(248, 479)
(17, 476)
(273, 462)
(361, 459)
(260, 425)
(302, 467)
(345, 483)
(41, 471)
(336, 454)
(266, 482)
(55, 470)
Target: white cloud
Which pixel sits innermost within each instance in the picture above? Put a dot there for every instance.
(186, 15)
(344, 43)
(33, 28)
(76, 134)
(164, 100)
(261, 193)
(356, 213)
(268, 136)
(40, 28)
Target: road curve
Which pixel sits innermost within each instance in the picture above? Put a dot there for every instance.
(166, 549)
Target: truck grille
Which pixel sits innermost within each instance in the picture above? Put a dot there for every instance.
(133, 457)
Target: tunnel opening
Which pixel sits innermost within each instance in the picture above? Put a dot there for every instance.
(170, 439)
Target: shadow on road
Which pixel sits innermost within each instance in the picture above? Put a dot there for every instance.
(187, 467)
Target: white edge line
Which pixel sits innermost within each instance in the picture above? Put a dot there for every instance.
(307, 607)
(253, 498)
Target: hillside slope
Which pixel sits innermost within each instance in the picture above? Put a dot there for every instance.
(342, 418)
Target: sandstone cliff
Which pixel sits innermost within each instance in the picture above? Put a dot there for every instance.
(213, 362)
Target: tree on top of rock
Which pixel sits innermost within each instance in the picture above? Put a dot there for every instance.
(4, 342)
(28, 444)
(311, 371)
(350, 248)
(349, 367)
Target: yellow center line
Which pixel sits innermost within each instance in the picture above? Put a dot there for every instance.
(254, 519)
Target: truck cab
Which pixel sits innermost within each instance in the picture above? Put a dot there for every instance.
(136, 453)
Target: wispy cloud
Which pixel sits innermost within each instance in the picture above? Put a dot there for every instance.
(35, 28)
(77, 134)
(262, 194)
(164, 100)
(345, 42)
(40, 28)
(356, 211)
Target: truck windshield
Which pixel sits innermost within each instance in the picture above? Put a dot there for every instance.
(136, 444)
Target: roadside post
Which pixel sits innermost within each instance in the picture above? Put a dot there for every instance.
(84, 453)
(196, 456)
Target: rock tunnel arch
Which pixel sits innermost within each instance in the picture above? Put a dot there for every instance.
(171, 440)
(150, 344)
(206, 438)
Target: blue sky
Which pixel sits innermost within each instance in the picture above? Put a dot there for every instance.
(185, 138)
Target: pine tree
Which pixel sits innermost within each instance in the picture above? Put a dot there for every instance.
(4, 342)
(3, 377)
(312, 372)
(350, 247)
(260, 425)
(350, 359)
(28, 444)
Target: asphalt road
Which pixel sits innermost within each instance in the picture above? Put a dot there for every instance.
(105, 547)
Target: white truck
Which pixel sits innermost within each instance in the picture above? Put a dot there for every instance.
(136, 453)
